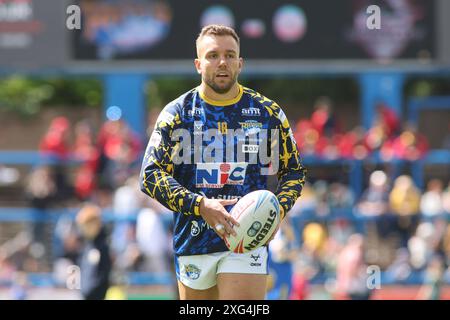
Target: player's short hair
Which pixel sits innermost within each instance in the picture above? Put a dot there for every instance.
(217, 30)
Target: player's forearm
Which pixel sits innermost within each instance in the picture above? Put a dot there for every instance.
(290, 186)
(162, 187)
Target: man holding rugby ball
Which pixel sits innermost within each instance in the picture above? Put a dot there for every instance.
(207, 151)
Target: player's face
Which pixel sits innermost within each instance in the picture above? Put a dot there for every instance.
(218, 62)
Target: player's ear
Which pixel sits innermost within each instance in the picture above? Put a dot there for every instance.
(197, 64)
(241, 64)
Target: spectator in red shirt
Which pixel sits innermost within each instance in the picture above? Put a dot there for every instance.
(327, 146)
(410, 144)
(118, 142)
(389, 119)
(382, 134)
(55, 143)
(351, 145)
(119, 149)
(306, 136)
(325, 123)
(323, 118)
(375, 136)
(55, 140)
(86, 151)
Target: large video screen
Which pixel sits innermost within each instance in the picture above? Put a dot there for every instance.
(269, 29)
(32, 33)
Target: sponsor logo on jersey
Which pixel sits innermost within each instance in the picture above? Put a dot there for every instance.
(245, 138)
(155, 139)
(282, 116)
(198, 127)
(194, 112)
(195, 228)
(216, 175)
(251, 127)
(221, 196)
(226, 197)
(285, 124)
(198, 227)
(291, 135)
(251, 112)
(250, 148)
(250, 124)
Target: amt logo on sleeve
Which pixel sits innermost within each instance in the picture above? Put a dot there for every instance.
(216, 175)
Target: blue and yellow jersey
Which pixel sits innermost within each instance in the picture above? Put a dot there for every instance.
(218, 149)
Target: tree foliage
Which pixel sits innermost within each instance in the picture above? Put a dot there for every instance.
(27, 96)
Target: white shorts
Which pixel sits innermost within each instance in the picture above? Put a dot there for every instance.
(199, 272)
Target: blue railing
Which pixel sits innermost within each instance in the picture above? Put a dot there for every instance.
(47, 279)
(355, 172)
(32, 158)
(11, 214)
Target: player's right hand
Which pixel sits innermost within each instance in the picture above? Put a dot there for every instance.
(215, 215)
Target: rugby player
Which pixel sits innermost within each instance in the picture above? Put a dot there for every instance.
(188, 168)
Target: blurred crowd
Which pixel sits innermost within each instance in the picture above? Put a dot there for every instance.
(322, 135)
(334, 238)
(332, 234)
(106, 157)
(85, 169)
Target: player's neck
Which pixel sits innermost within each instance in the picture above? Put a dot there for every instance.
(205, 90)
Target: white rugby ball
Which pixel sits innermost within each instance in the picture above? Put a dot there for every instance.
(258, 214)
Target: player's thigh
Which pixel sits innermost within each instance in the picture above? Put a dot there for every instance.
(196, 276)
(187, 293)
(243, 275)
(241, 286)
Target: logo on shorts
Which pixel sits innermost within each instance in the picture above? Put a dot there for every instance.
(192, 271)
(255, 258)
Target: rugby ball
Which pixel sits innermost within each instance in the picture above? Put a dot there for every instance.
(258, 214)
